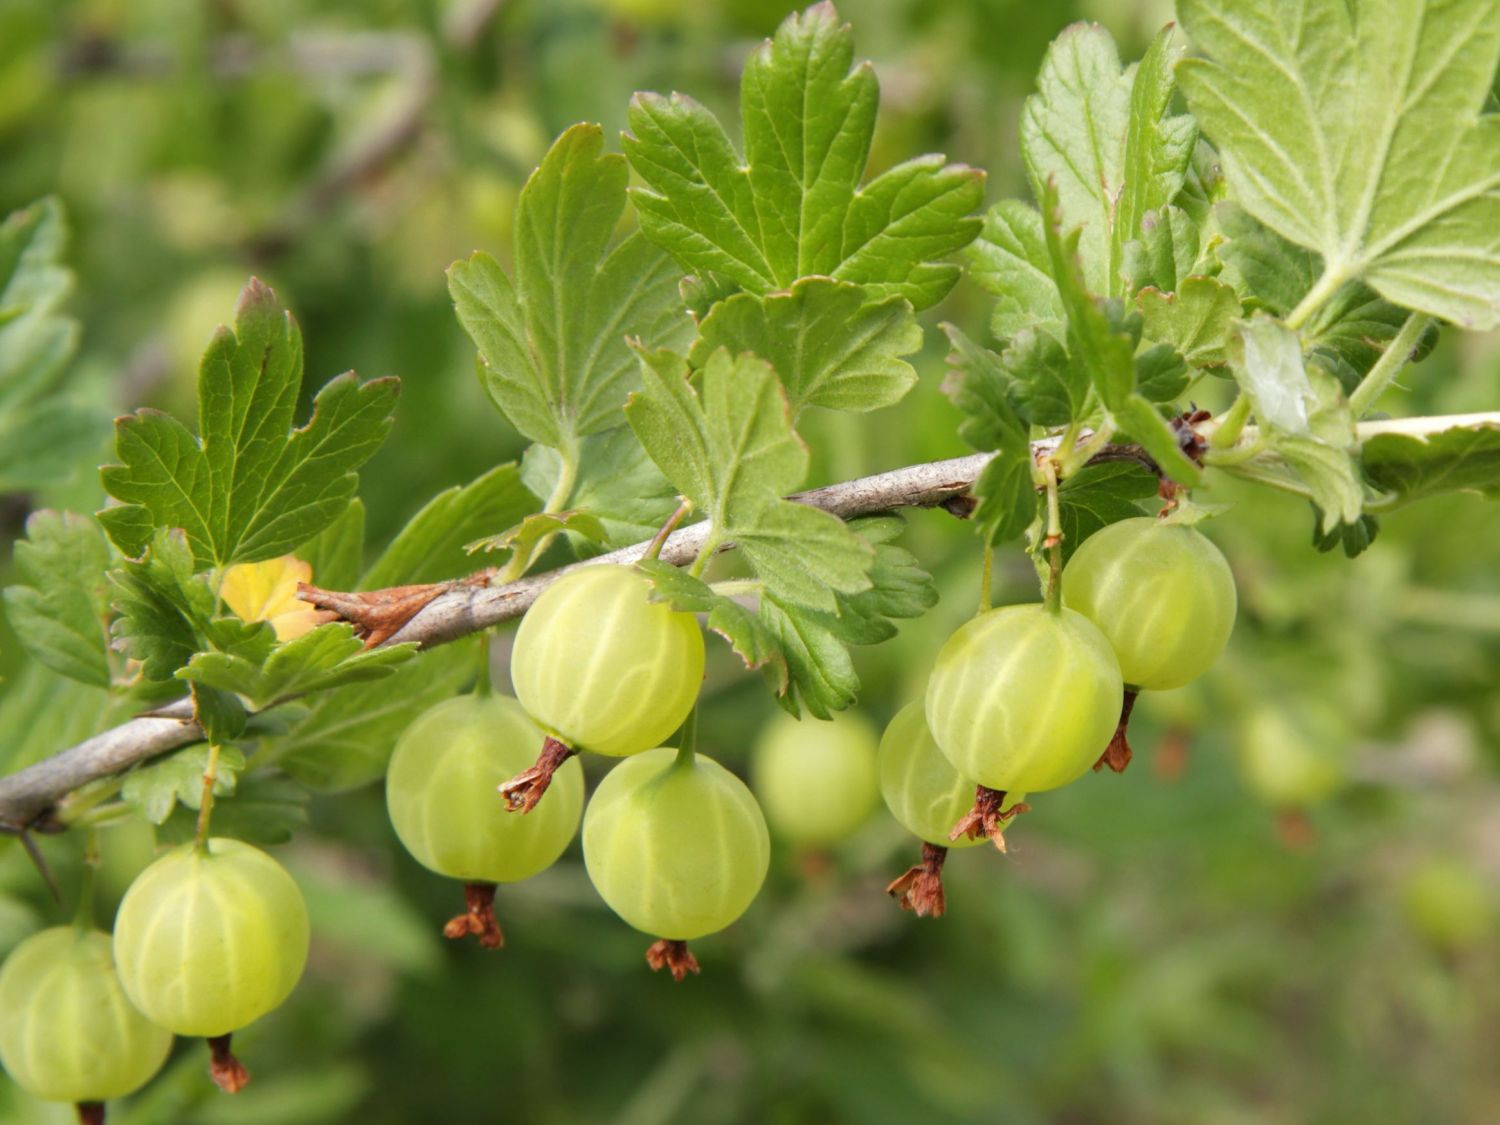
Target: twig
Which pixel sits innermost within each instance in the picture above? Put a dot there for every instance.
(28, 795)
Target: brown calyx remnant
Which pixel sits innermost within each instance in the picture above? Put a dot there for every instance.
(90, 1113)
(228, 1073)
(1117, 754)
(379, 615)
(920, 890)
(673, 956)
(479, 919)
(523, 791)
(988, 817)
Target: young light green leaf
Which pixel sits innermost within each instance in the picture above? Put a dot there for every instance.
(345, 736)
(522, 539)
(819, 673)
(980, 384)
(1158, 149)
(616, 483)
(829, 342)
(552, 343)
(793, 207)
(734, 454)
(323, 658)
(1072, 136)
(1165, 251)
(1101, 494)
(263, 809)
(1161, 374)
(1010, 260)
(44, 432)
(740, 627)
(160, 605)
(59, 607)
(155, 789)
(250, 487)
(1463, 459)
(431, 547)
(1347, 334)
(1100, 347)
(1356, 129)
(1303, 414)
(1046, 386)
(1194, 320)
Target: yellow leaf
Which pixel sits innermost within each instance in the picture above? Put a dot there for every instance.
(267, 591)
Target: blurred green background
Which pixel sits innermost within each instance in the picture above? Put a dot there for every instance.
(1284, 912)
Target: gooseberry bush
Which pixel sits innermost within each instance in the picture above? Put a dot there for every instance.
(1222, 269)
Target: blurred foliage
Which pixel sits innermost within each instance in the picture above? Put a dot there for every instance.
(1167, 946)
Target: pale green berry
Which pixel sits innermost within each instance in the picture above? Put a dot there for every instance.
(209, 941)
(68, 1033)
(1161, 593)
(1024, 698)
(602, 667)
(815, 780)
(676, 846)
(440, 792)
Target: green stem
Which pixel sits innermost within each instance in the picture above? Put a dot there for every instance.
(1085, 452)
(734, 587)
(687, 742)
(1231, 423)
(206, 804)
(567, 476)
(83, 917)
(1069, 440)
(986, 578)
(1396, 356)
(1053, 541)
(1319, 295)
(484, 684)
(710, 545)
(653, 549)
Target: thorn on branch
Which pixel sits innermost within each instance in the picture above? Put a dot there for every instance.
(674, 956)
(478, 919)
(988, 817)
(920, 889)
(378, 615)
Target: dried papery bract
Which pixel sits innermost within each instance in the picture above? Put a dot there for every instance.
(988, 818)
(920, 889)
(523, 791)
(674, 956)
(478, 919)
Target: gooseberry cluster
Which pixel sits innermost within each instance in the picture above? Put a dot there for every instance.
(1021, 699)
(1027, 698)
(209, 937)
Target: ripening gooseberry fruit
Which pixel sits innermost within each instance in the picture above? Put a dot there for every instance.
(599, 666)
(920, 786)
(1449, 904)
(1024, 698)
(207, 941)
(1291, 753)
(440, 793)
(67, 1031)
(676, 846)
(815, 780)
(931, 800)
(1161, 593)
